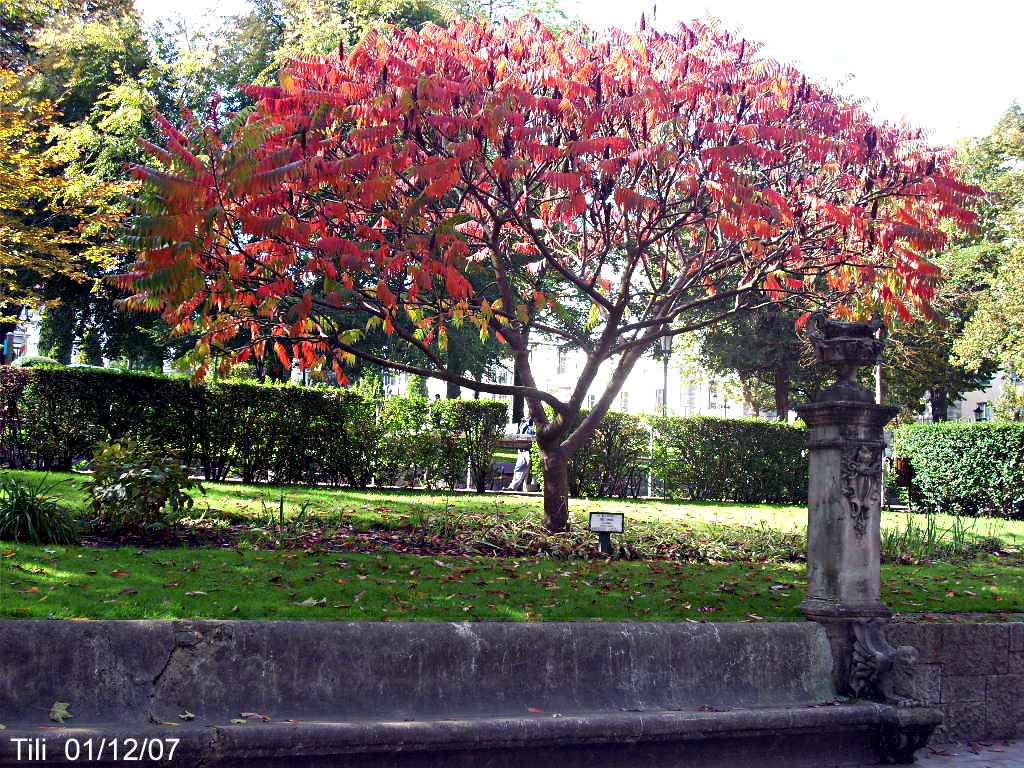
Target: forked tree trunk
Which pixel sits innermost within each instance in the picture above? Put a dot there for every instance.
(782, 394)
(555, 469)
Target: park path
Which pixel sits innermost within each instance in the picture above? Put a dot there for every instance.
(996, 754)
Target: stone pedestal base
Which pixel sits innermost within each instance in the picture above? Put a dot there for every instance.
(844, 507)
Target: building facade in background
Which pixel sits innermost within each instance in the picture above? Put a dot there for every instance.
(646, 391)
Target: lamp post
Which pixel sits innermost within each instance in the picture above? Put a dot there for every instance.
(663, 350)
(979, 412)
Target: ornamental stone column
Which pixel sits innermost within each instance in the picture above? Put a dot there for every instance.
(844, 497)
(844, 538)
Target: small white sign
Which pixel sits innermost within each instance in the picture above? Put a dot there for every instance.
(607, 522)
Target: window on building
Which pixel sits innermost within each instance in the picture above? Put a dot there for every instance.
(591, 399)
(624, 401)
(688, 401)
(562, 358)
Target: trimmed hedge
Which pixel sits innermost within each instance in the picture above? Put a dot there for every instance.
(965, 468)
(614, 461)
(693, 457)
(51, 418)
(744, 460)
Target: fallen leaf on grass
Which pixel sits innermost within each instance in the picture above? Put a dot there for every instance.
(310, 602)
(197, 593)
(128, 591)
(59, 711)
(186, 715)
(120, 573)
(255, 716)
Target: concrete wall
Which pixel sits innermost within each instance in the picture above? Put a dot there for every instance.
(117, 670)
(128, 670)
(973, 672)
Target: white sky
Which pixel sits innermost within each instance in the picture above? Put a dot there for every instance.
(950, 67)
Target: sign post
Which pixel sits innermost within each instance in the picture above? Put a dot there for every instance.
(604, 524)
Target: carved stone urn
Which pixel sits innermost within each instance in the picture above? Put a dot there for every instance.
(846, 347)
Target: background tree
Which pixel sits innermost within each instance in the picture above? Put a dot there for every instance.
(34, 248)
(664, 182)
(764, 350)
(994, 331)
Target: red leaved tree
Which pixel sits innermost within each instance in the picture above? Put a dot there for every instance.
(607, 188)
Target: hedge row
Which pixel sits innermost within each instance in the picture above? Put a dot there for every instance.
(965, 468)
(50, 418)
(697, 457)
(746, 460)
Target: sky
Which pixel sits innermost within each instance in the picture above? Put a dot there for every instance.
(951, 68)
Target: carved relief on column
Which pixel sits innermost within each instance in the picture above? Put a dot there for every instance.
(861, 473)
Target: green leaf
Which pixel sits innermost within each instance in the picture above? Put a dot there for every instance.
(59, 711)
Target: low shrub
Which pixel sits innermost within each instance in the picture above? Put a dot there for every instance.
(467, 432)
(744, 460)
(136, 485)
(348, 439)
(28, 514)
(965, 468)
(36, 361)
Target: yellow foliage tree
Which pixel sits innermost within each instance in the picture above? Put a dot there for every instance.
(32, 248)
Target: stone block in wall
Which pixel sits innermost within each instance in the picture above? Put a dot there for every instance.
(1017, 637)
(974, 649)
(964, 722)
(1004, 706)
(1015, 664)
(961, 689)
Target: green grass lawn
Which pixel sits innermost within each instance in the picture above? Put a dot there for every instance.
(391, 508)
(722, 562)
(107, 582)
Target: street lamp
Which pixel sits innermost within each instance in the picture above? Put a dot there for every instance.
(979, 412)
(663, 350)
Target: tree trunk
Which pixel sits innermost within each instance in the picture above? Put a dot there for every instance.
(940, 405)
(782, 394)
(518, 401)
(555, 469)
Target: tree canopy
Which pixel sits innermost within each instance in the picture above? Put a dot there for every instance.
(657, 183)
(992, 263)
